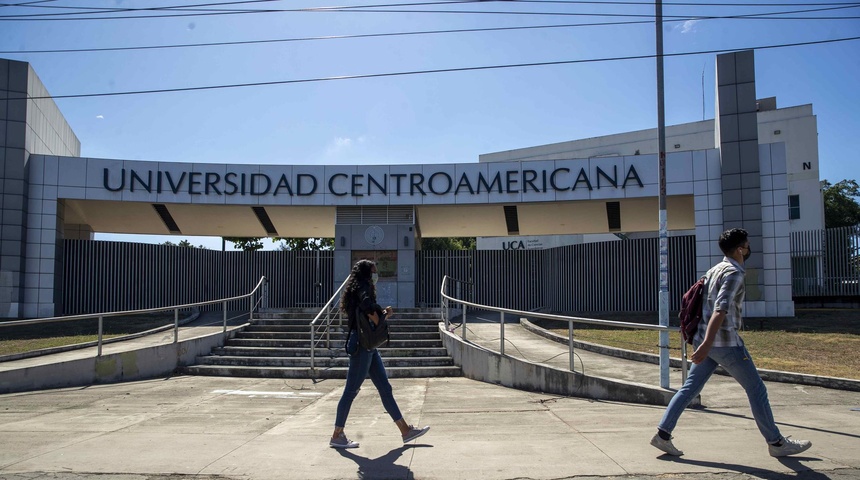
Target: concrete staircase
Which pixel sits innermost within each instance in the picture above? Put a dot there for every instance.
(277, 345)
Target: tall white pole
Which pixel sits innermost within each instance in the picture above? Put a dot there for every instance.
(663, 235)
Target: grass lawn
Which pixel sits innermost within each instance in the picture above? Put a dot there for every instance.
(25, 338)
(817, 341)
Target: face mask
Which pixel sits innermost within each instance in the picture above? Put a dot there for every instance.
(374, 277)
(747, 255)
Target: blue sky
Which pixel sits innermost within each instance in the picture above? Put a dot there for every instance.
(433, 118)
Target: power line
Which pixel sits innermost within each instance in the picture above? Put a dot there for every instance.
(446, 2)
(342, 37)
(688, 4)
(444, 70)
(195, 8)
(129, 9)
(370, 9)
(332, 37)
(27, 4)
(373, 35)
(581, 14)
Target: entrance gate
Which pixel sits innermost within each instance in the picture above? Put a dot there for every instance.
(615, 276)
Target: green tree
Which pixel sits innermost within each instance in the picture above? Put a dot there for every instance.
(449, 243)
(306, 243)
(248, 244)
(182, 243)
(840, 205)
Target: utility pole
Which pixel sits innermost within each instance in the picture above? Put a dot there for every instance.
(663, 299)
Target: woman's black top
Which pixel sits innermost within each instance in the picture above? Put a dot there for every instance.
(363, 297)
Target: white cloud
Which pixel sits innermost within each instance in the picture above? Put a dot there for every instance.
(100, 117)
(341, 145)
(688, 26)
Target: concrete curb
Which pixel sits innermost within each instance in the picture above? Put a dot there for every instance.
(769, 375)
(77, 346)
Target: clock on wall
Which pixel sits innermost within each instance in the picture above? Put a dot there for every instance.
(374, 235)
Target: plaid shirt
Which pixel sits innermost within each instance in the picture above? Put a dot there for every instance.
(724, 285)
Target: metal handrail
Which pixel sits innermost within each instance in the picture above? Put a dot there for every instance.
(593, 321)
(175, 308)
(445, 305)
(325, 314)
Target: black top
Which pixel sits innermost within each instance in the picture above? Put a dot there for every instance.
(363, 298)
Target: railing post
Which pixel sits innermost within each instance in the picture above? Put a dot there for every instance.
(502, 334)
(570, 344)
(463, 333)
(312, 348)
(251, 309)
(264, 300)
(664, 354)
(328, 331)
(101, 325)
(175, 325)
(683, 361)
(224, 309)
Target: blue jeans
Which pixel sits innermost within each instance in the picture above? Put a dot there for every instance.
(361, 364)
(738, 362)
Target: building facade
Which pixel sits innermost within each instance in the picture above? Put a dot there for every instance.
(723, 177)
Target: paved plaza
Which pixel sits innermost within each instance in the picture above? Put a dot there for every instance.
(243, 428)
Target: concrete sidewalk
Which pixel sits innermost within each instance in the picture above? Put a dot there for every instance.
(209, 427)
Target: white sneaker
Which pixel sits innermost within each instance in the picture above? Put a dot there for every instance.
(788, 447)
(414, 433)
(342, 442)
(665, 445)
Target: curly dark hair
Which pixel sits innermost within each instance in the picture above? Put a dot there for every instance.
(361, 272)
(732, 239)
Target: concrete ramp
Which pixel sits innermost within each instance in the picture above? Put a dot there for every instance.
(521, 366)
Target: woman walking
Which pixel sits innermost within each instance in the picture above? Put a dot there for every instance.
(360, 293)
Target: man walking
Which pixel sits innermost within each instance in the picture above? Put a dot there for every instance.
(717, 343)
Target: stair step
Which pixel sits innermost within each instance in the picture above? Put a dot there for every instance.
(323, 352)
(277, 345)
(305, 322)
(305, 328)
(267, 342)
(320, 362)
(305, 336)
(312, 313)
(306, 372)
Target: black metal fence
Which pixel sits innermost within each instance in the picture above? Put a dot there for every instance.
(104, 276)
(615, 276)
(826, 263)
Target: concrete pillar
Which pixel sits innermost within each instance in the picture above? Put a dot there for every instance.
(13, 200)
(742, 177)
(30, 124)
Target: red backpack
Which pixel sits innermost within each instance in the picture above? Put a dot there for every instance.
(691, 310)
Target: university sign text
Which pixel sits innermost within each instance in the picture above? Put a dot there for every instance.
(360, 184)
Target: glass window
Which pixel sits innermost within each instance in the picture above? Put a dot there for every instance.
(793, 207)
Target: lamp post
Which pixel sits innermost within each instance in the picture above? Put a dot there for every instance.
(663, 298)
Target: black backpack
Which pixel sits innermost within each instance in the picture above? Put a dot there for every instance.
(371, 336)
(691, 310)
